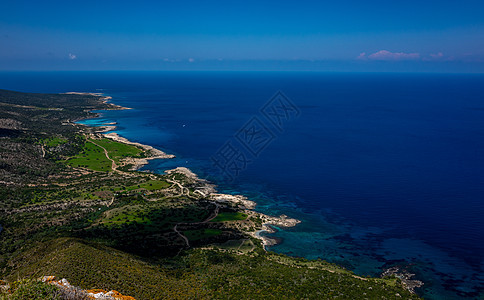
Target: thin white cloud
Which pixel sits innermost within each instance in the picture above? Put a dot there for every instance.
(362, 56)
(386, 55)
(437, 55)
(191, 60)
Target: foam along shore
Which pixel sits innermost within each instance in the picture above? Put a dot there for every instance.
(281, 221)
(139, 162)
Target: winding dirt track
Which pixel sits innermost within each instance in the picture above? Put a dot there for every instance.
(210, 218)
(113, 164)
(181, 235)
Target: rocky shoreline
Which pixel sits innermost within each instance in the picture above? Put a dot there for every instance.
(207, 189)
(405, 276)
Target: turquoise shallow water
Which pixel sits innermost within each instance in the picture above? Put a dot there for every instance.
(383, 169)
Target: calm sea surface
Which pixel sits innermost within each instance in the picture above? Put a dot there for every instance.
(383, 169)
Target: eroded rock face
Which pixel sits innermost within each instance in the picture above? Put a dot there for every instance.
(101, 294)
(78, 293)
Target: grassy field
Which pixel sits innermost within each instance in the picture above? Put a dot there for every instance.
(91, 157)
(52, 142)
(157, 215)
(244, 246)
(118, 150)
(229, 216)
(125, 214)
(150, 185)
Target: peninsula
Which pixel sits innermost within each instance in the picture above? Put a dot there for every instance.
(74, 206)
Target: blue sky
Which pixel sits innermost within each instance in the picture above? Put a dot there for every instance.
(440, 36)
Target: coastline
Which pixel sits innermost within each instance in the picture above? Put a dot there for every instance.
(205, 188)
(104, 99)
(138, 162)
(208, 191)
(91, 213)
(242, 203)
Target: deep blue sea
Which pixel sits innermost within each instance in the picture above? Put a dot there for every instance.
(383, 169)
